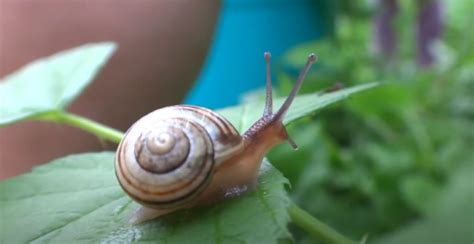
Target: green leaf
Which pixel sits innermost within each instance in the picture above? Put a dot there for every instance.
(77, 199)
(51, 83)
(420, 192)
(243, 116)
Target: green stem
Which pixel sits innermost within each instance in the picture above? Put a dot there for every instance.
(95, 128)
(314, 227)
(299, 216)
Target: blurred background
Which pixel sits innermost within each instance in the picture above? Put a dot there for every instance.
(394, 164)
(162, 47)
(165, 47)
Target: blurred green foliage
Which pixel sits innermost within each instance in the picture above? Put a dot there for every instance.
(385, 158)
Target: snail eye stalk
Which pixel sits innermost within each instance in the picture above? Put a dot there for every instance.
(299, 82)
(269, 97)
(289, 100)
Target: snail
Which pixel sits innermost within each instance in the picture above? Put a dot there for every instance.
(183, 156)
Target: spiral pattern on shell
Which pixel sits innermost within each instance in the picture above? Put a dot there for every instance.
(168, 156)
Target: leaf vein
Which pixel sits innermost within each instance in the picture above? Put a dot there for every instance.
(266, 205)
(217, 228)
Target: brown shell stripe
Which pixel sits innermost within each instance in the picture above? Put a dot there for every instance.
(228, 137)
(121, 174)
(122, 169)
(145, 192)
(176, 201)
(224, 127)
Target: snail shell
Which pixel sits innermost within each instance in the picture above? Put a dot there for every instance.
(168, 157)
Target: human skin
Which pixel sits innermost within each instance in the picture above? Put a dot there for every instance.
(162, 46)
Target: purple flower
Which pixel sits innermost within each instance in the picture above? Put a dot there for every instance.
(429, 29)
(385, 38)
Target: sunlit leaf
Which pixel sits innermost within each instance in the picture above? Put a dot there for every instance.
(51, 83)
(243, 116)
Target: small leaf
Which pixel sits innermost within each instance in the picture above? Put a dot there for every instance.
(420, 192)
(51, 83)
(78, 199)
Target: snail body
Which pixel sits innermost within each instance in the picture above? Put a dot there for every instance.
(183, 156)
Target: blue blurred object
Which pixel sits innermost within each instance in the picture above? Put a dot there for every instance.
(246, 29)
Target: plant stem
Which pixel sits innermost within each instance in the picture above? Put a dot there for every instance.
(314, 227)
(95, 128)
(299, 216)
